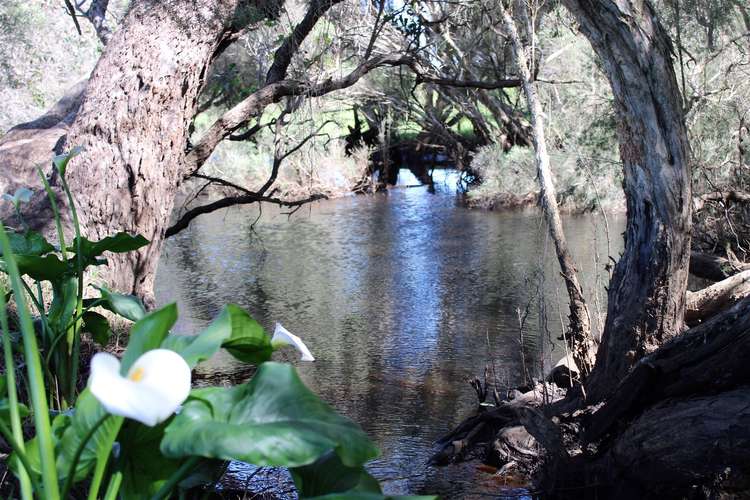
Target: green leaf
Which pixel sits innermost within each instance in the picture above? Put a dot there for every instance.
(98, 326)
(271, 420)
(330, 479)
(119, 243)
(144, 468)
(23, 411)
(59, 424)
(43, 268)
(148, 333)
(328, 475)
(64, 301)
(29, 243)
(88, 412)
(248, 341)
(61, 161)
(127, 306)
(233, 329)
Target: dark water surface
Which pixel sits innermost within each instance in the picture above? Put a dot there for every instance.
(400, 297)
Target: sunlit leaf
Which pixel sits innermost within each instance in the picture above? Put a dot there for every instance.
(61, 161)
(148, 333)
(119, 243)
(127, 306)
(234, 330)
(271, 420)
(248, 341)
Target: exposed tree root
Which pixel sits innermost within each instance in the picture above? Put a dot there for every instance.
(677, 425)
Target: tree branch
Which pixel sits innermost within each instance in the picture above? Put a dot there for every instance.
(283, 56)
(246, 199)
(254, 104)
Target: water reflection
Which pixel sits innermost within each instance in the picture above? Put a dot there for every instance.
(401, 298)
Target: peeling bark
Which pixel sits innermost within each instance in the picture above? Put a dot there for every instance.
(647, 292)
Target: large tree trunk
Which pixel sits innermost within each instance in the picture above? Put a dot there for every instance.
(647, 292)
(133, 123)
(580, 339)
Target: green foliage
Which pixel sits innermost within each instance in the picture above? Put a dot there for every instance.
(63, 267)
(234, 330)
(148, 333)
(271, 420)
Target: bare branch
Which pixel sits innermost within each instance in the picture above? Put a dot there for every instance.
(283, 56)
(254, 104)
(231, 201)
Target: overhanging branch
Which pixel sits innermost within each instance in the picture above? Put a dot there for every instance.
(230, 201)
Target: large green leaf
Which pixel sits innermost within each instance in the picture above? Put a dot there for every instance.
(271, 420)
(127, 306)
(143, 466)
(233, 329)
(148, 333)
(119, 243)
(328, 475)
(87, 415)
(29, 243)
(43, 268)
(248, 342)
(98, 326)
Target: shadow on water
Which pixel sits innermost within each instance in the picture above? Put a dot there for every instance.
(400, 296)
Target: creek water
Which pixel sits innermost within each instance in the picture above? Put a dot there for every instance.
(401, 297)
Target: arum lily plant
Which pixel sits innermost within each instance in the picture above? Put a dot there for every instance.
(154, 387)
(139, 430)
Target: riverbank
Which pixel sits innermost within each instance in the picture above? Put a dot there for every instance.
(507, 181)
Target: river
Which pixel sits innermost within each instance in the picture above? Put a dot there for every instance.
(401, 297)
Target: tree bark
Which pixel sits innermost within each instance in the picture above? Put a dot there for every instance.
(647, 292)
(580, 339)
(133, 123)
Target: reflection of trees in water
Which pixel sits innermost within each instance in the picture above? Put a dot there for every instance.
(396, 295)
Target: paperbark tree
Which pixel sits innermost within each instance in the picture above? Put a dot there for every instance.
(647, 291)
(579, 333)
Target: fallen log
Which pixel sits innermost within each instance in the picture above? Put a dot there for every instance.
(713, 267)
(679, 443)
(721, 196)
(705, 303)
(708, 358)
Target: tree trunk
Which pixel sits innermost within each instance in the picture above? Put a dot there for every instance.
(133, 123)
(647, 292)
(580, 339)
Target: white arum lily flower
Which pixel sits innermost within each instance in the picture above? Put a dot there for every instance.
(282, 336)
(155, 387)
